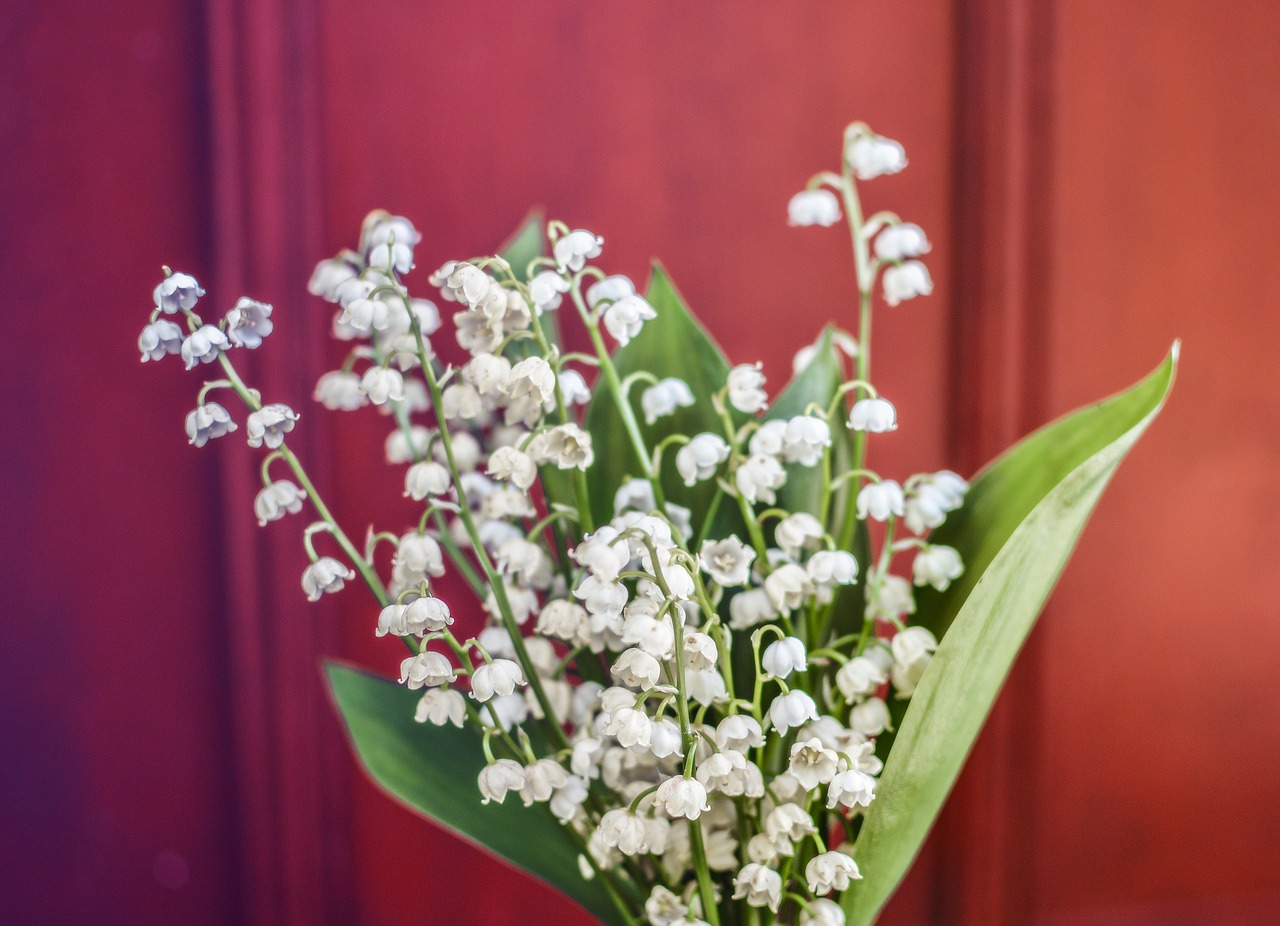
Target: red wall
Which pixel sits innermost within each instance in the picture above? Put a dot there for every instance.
(1095, 180)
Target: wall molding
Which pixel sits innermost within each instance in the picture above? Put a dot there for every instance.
(1004, 89)
(265, 188)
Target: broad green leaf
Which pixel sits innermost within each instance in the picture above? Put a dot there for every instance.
(433, 771)
(1017, 528)
(672, 344)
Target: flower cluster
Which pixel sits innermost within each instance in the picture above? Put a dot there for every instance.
(710, 684)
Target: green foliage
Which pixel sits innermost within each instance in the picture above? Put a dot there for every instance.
(433, 770)
(1017, 528)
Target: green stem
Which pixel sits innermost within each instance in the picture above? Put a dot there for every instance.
(550, 721)
(625, 411)
(362, 565)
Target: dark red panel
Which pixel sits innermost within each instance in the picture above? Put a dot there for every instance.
(115, 755)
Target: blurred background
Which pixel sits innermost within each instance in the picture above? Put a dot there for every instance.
(1097, 178)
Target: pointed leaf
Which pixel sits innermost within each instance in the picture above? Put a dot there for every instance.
(433, 771)
(1018, 526)
(672, 344)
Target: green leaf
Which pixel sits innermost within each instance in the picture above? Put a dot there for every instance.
(1018, 526)
(672, 344)
(433, 770)
(524, 245)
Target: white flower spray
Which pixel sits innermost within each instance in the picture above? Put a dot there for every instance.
(689, 786)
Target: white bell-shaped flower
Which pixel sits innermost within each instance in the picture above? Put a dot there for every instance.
(782, 657)
(879, 500)
(699, 459)
(870, 718)
(874, 415)
(547, 289)
(440, 706)
(248, 322)
(859, 677)
(873, 156)
(758, 477)
(339, 390)
(829, 568)
(159, 339)
(759, 886)
(791, 710)
(681, 797)
(426, 615)
(830, 871)
(574, 388)
(822, 912)
(204, 345)
(812, 764)
(798, 532)
(382, 385)
(276, 500)
(576, 248)
(851, 788)
(330, 275)
(906, 281)
(427, 479)
(746, 388)
(403, 446)
(176, 292)
(727, 562)
(566, 446)
(664, 397)
(427, 669)
(206, 422)
(805, 439)
(937, 565)
(813, 207)
(610, 289)
(787, 587)
(739, 732)
(325, 576)
(892, 599)
(622, 830)
(541, 778)
(624, 319)
(500, 677)
(665, 739)
(499, 778)
(899, 242)
(463, 282)
(269, 424)
(511, 465)
(636, 669)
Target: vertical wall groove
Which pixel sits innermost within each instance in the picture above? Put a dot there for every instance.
(1002, 234)
(265, 201)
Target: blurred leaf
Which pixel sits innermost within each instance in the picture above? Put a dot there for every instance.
(672, 344)
(433, 770)
(524, 245)
(1017, 528)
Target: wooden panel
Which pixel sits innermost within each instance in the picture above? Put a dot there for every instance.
(115, 729)
(1155, 790)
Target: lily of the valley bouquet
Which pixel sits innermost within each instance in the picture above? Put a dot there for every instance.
(728, 668)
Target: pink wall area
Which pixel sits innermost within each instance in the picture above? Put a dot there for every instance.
(1096, 181)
